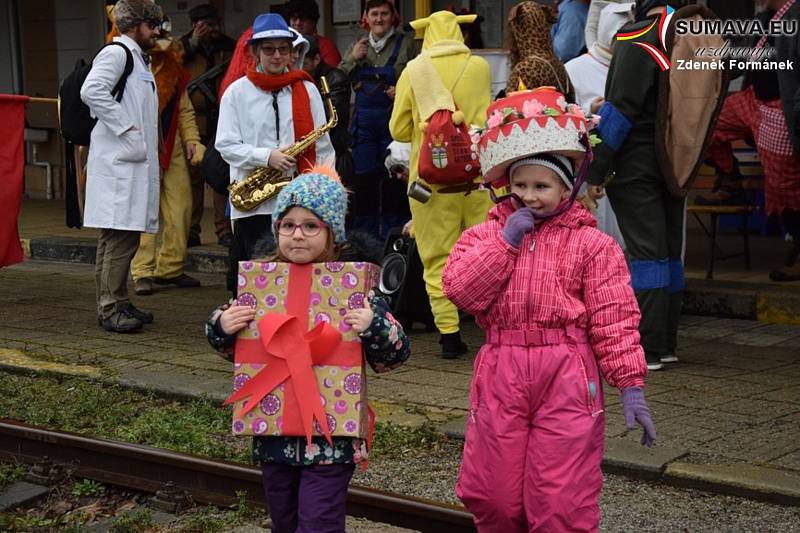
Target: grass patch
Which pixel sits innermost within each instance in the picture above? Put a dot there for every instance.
(10, 472)
(198, 427)
(82, 406)
(392, 440)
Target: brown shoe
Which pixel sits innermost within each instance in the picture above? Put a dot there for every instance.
(143, 286)
(181, 281)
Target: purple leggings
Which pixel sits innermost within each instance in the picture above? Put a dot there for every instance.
(307, 499)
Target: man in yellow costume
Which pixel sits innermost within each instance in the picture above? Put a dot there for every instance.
(438, 223)
(160, 258)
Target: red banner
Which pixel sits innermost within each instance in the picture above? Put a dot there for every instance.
(12, 170)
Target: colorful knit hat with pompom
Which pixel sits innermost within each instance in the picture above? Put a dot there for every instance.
(321, 192)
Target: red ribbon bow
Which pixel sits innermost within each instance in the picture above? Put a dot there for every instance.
(290, 352)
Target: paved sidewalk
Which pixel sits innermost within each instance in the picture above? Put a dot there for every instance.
(728, 415)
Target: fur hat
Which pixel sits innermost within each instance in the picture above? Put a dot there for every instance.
(320, 192)
(526, 123)
(128, 14)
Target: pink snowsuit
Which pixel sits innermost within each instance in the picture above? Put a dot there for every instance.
(534, 439)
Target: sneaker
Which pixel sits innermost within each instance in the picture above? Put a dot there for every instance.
(143, 286)
(121, 321)
(669, 358)
(654, 362)
(143, 316)
(181, 281)
(452, 345)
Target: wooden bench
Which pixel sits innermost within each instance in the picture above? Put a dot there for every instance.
(714, 211)
(753, 185)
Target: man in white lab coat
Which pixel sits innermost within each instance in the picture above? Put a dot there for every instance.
(263, 112)
(122, 188)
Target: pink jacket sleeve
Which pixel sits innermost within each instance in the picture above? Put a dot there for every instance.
(478, 268)
(613, 316)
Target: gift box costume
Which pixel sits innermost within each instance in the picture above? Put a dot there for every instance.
(384, 343)
(557, 316)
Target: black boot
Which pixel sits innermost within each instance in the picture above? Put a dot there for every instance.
(452, 345)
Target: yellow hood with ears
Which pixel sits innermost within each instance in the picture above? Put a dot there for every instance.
(442, 26)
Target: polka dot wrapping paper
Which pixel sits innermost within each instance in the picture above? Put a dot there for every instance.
(335, 287)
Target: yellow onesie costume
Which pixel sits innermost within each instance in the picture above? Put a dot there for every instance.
(162, 256)
(439, 222)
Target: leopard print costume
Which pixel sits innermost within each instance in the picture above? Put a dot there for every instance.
(531, 50)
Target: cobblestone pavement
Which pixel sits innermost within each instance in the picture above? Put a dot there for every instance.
(733, 399)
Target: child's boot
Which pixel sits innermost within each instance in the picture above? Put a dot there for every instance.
(452, 345)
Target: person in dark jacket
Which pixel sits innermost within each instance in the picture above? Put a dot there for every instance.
(206, 53)
(651, 219)
(339, 87)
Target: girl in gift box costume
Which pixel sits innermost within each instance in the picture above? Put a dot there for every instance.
(553, 295)
(306, 485)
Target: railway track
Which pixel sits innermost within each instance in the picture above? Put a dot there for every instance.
(148, 469)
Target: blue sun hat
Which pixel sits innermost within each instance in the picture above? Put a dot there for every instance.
(270, 26)
(320, 192)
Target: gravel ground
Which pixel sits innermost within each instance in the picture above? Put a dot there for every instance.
(626, 504)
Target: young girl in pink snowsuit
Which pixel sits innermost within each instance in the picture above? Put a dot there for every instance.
(553, 295)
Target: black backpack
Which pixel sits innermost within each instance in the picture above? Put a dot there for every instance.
(216, 171)
(76, 121)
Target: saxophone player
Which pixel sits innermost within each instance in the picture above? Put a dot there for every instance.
(269, 109)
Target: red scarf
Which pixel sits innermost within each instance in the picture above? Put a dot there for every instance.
(301, 106)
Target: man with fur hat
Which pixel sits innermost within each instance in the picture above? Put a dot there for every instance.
(439, 222)
(206, 48)
(263, 113)
(122, 188)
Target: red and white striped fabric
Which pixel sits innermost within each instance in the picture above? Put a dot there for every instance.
(574, 276)
(744, 116)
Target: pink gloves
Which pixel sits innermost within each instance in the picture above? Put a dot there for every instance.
(635, 410)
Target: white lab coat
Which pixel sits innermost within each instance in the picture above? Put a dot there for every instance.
(246, 132)
(122, 187)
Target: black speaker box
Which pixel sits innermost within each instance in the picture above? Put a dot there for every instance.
(401, 281)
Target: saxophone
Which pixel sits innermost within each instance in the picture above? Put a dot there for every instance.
(264, 183)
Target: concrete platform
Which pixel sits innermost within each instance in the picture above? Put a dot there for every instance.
(732, 404)
(734, 293)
